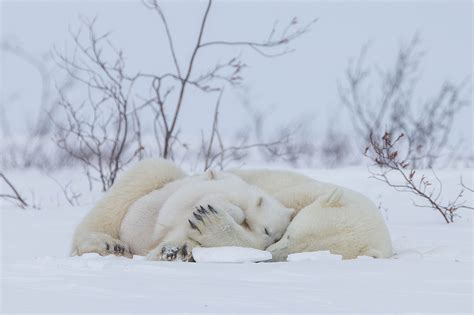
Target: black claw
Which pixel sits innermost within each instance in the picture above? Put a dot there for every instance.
(107, 246)
(202, 209)
(116, 248)
(193, 226)
(171, 253)
(198, 217)
(211, 209)
(171, 256)
(184, 251)
(174, 254)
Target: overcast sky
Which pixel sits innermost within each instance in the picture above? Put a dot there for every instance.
(301, 83)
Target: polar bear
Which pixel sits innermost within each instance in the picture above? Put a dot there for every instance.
(328, 217)
(161, 219)
(151, 203)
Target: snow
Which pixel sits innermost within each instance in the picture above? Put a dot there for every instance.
(314, 256)
(230, 254)
(431, 271)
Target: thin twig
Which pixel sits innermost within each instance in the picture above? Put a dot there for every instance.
(16, 195)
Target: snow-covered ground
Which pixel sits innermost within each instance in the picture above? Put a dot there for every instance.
(431, 270)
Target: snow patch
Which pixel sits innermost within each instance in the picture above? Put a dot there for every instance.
(323, 255)
(430, 272)
(230, 254)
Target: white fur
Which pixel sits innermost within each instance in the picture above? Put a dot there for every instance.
(162, 217)
(99, 230)
(329, 217)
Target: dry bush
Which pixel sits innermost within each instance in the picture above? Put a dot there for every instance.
(218, 152)
(335, 149)
(387, 156)
(34, 147)
(104, 132)
(99, 132)
(389, 101)
(220, 74)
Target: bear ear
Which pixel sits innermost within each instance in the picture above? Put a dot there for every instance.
(259, 201)
(211, 174)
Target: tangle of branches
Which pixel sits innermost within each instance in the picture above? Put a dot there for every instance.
(387, 99)
(385, 153)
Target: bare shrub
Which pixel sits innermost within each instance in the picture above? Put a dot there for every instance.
(33, 147)
(335, 148)
(215, 151)
(386, 155)
(99, 132)
(291, 141)
(212, 80)
(104, 132)
(393, 104)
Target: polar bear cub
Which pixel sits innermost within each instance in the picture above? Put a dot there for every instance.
(165, 219)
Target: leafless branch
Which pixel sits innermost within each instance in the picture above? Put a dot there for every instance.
(15, 196)
(71, 196)
(32, 150)
(385, 154)
(228, 72)
(109, 84)
(291, 32)
(394, 105)
(214, 150)
(464, 186)
(99, 131)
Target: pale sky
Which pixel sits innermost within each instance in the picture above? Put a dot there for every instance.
(301, 83)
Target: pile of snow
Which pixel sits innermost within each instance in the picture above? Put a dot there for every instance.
(230, 254)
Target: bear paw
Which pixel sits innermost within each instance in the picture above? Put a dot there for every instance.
(207, 224)
(103, 245)
(171, 252)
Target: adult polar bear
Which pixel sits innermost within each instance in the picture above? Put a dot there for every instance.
(328, 217)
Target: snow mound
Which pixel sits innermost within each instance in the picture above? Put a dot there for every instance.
(314, 256)
(230, 254)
